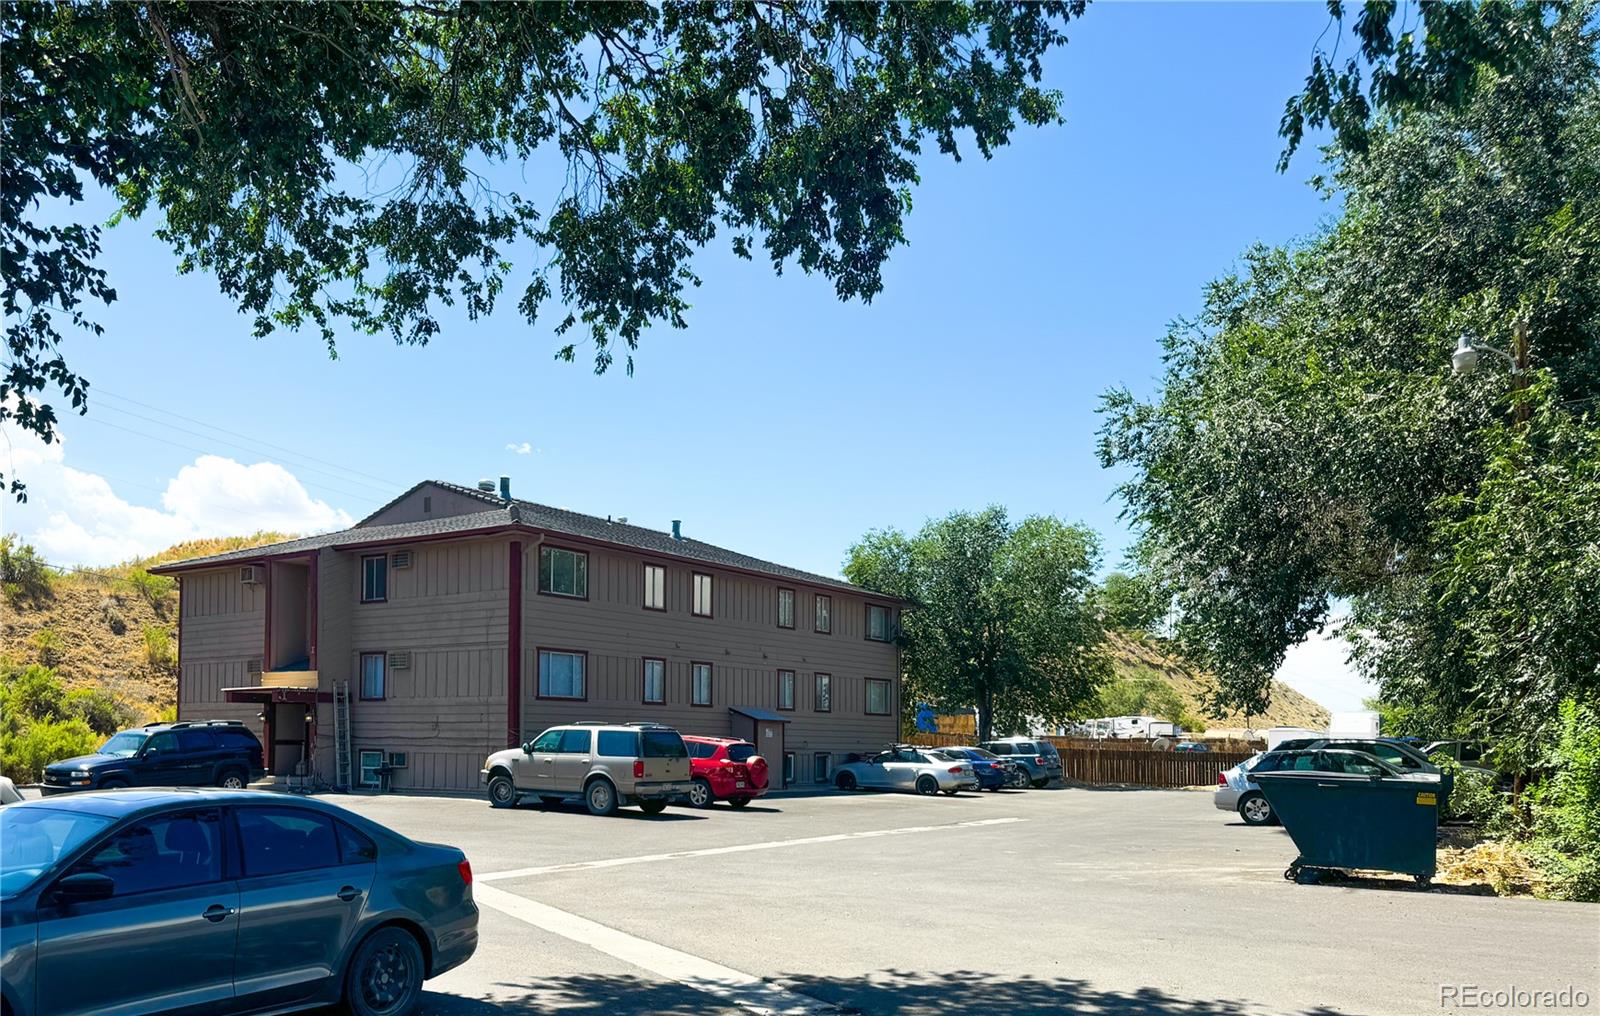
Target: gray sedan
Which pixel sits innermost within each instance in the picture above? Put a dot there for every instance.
(906, 768)
(132, 901)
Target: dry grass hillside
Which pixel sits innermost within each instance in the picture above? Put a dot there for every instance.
(1133, 658)
(113, 628)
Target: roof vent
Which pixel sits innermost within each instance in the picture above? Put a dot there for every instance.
(622, 519)
(505, 488)
(486, 485)
(677, 529)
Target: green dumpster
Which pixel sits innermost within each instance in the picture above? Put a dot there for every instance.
(1381, 822)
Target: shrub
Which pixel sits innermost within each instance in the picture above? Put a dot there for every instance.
(1566, 808)
(154, 589)
(101, 710)
(111, 614)
(29, 693)
(48, 645)
(25, 753)
(158, 649)
(1474, 797)
(24, 576)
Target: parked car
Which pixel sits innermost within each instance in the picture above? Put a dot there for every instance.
(8, 792)
(1191, 746)
(146, 901)
(903, 767)
(605, 765)
(992, 771)
(1040, 758)
(1237, 790)
(1395, 751)
(193, 753)
(724, 769)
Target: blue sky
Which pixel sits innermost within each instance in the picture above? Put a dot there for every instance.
(781, 422)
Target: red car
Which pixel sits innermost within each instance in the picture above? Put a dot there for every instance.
(725, 769)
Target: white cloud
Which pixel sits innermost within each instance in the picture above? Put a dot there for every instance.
(76, 518)
(525, 448)
(1319, 667)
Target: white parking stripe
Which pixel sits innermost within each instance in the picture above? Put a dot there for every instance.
(733, 986)
(738, 848)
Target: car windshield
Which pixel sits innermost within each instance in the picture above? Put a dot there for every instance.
(664, 744)
(741, 752)
(979, 753)
(33, 839)
(124, 744)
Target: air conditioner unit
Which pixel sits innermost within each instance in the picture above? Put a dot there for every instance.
(397, 760)
(401, 559)
(400, 659)
(252, 574)
(252, 666)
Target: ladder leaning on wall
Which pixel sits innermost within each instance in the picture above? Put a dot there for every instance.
(341, 735)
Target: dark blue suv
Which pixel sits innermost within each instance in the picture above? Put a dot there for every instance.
(203, 753)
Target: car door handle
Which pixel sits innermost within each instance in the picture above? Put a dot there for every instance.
(549, 761)
(349, 893)
(217, 912)
(584, 761)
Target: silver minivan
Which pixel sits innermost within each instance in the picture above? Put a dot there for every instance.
(605, 765)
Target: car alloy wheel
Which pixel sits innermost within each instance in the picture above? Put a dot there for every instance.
(1255, 809)
(845, 781)
(601, 798)
(386, 977)
(502, 792)
(927, 785)
(700, 794)
(231, 781)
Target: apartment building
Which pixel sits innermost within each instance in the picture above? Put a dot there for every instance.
(460, 620)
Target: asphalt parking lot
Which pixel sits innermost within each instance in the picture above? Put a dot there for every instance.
(1018, 903)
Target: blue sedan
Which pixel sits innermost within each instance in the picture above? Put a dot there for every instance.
(992, 771)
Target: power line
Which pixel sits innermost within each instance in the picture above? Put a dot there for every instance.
(388, 483)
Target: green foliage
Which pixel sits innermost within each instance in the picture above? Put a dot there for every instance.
(364, 164)
(24, 577)
(47, 644)
(1566, 824)
(41, 722)
(1003, 620)
(1132, 603)
(159, 651)
(1145, 694)
(153, 589)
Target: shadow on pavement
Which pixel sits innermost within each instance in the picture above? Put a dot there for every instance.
(885, 993)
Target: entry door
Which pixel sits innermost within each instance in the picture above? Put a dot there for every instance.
(769, 745)
(163, 941)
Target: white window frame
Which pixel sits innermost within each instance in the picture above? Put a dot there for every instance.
(878, 610)
(786, 690)
(695, 672)
(577, 555)
(661, 677)
(655, 587)
(698, 600)
(362, 767)
(366, 575)
(544, 657)
(822, 614)
(818, 683)
(785, 596)
(888, 697)
(383, 676)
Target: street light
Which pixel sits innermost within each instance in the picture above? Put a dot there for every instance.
(1465, 359)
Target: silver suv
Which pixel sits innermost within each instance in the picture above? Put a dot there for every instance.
(604, 764)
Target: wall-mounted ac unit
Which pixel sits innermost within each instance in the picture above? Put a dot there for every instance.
(252, 574)
(400, 659)
(397, 760)
(252, 666)
(402, 559)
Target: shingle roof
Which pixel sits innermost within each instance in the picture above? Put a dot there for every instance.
(530, 515)
(400, 532)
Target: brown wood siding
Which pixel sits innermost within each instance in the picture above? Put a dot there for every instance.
(447, 710)
(223, 627)
(742, 641)
(442, 503)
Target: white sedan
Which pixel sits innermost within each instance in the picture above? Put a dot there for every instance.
(904, 768)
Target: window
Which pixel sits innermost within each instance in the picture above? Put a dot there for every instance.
(237, 740)
(548, 742)
(163, 852)
(564, 572)
(741, 752)
(195, 741)
(164, 743)
(785, 689)
(278, 840)
(655, 587)
(655, 680)
(824, 621)
(700, 749)
(878, 628)
(373, 676)
(819, 767)
(575, 742)
(788, 768)
(32, 841)
(786, 608)
(561, 674)
(371, 760)
(618, 744)
(664, 744)
(355, 846)
(700, 684)
(824, 703)
(877, 697)
(375, 578)
(702, 594)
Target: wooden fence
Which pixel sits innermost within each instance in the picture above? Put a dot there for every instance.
(1123, 763)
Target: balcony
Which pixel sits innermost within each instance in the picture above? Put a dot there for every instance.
(289, 679)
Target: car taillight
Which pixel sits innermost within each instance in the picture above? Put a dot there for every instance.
(955, 769)
(638, 768)
(1039, 761)
(465, 868)
(1222, 780)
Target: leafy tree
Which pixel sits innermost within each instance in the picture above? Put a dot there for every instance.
(24, 577)
(1131, 603)
(1003, 620)
(357, 163)
(25, 752)
(103, 712)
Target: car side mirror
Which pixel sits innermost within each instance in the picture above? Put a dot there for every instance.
(150, 753)
(527, 747)
(84, 887)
